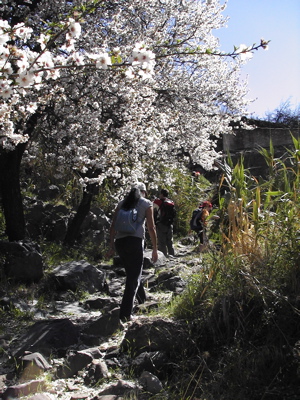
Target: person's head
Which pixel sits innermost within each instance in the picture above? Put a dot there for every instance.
(163, 193)
(131, 199)
(206, 204)
(141, 187)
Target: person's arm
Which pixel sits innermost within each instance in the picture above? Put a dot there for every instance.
(152, 232)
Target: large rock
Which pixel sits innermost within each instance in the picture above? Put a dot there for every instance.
(49, 336)
(31, 366)
(23, 261)
(155, 335)
(97, 371)
(34, 219)
(154, 362)
(175, 284)
(101, 303)
(148, 263)
(95, 220)
(41, 396)
(168, 279)
(75, 362)
(76, 275)
(51, 221)
(104, 326)
(150, 383)
(55, 222)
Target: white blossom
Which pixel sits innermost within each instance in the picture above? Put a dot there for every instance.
(69, 45)
(74, 28)
(22, 31)
(22, 64)
(103, 61)
(25, 80)
(77, 58)
(4, 110)
(6, 90)
(46, 60)
(4, 37)
(4, 25)
(244, 52)
(43, 40)
(130, 73)
(4, 53)
(32, 107)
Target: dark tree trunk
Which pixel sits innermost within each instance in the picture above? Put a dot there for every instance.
(82, 211)
(10, 192)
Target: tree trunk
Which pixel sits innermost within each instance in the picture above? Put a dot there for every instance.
(10, 192)
(83, 210)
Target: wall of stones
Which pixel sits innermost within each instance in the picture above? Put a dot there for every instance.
(247, 142)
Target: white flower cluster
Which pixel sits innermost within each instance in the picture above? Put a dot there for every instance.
(143, 58)
(23, 71)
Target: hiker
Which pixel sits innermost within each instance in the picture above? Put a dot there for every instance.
(130, 245)
(198, 223)
(164, 213)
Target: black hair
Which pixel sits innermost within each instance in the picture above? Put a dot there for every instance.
(131, 199)
(164, 192)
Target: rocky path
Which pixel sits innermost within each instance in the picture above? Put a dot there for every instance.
(78, 349)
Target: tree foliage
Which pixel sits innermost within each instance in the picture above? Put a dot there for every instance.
(114, 85)
(284, 114)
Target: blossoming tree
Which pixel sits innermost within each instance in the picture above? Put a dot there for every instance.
(113, 85)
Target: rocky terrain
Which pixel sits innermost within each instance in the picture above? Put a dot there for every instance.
(78, 349)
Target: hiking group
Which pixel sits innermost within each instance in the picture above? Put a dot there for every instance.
(127, 237)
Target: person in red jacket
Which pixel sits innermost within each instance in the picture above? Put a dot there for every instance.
(164, 214)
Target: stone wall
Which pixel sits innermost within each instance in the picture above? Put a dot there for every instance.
(247, 142)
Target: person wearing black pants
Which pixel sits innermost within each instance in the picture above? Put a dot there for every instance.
(130, 247)
(130, 250)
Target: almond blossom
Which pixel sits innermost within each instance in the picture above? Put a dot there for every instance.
(4, 37)
(74, 28)
(26, 79)
(103, 61)
(6, 90)
(22, 31)
(43, 40)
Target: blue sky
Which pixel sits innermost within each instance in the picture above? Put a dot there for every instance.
(273, 75)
